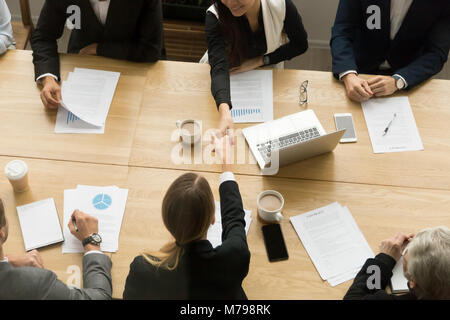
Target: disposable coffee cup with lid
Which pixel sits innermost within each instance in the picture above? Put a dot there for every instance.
(17, 173)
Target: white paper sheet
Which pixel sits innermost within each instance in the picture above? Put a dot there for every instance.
(402, 135)
(40, 225)
(252, 96)
(87, 96)
(332, 240)
(399, 283)
(107, 204)
(215, 231)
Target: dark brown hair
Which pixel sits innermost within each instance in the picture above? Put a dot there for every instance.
(234, 39)
(187, 212)
(2, 215)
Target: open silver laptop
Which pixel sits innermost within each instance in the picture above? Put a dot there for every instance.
(290, 139)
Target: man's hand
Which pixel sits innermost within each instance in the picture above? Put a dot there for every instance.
(357, 89)
(90, 50)
(51, 93)
(30, 259)
(382, 86)
(248, 65)
(394, 246)
(226, 125)
(86, 224)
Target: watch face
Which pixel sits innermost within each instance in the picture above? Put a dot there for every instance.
(96, 237)
(400, 84)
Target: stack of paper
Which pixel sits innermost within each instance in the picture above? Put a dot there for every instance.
(107, 204)
(333, 241)
(399, 283)
(391, 125)
(39, 222)
(252, 96)
(215, 231)
(86, 99)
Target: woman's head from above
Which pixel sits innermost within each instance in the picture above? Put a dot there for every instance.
(238, 7)
(188, 208)
(426, 263)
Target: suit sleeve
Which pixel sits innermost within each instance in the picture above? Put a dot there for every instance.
(147, 45)
(434, 56)
(234, 238)
(6, 32)
(298, 38)
(50, 27)
(96, 278)
(134, 288)
(343, 32)
(359, 290)
(220, 74)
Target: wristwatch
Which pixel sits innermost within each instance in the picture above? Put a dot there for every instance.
(266, 60)
(94, 239)
(399, 83)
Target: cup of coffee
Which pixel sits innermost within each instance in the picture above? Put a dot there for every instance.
(17, 173)
(191, 131)
(270, 203)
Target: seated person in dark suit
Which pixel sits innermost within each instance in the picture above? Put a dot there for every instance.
(426, 265)
(403, 42)
(23, 277)
(189, 267)
(128, 30)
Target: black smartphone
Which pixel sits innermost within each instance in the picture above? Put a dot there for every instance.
(274, 241)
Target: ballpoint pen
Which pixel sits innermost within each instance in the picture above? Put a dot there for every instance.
(75, 224)
(389, 125)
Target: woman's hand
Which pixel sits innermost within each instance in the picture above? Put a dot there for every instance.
(248, 65)
(224, 150)
(226, 125)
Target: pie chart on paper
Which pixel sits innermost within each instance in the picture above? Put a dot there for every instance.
(102, 201)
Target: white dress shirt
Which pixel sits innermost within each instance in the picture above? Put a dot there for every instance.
(100, 8)
(227, 176)
(6, 32)
(399, 9)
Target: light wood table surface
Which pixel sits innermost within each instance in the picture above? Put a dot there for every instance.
(177, 91)
(27, 129)
(379, 211)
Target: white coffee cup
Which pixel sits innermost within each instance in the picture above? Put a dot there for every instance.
(17, 173)
(270, 203)
(191, 131)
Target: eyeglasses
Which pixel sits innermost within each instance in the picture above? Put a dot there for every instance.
(303, 95)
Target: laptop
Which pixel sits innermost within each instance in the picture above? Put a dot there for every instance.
(290, 139)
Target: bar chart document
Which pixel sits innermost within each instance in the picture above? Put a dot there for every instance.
(391, 125)
(252, 96)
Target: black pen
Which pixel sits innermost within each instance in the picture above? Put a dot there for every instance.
(389, 125)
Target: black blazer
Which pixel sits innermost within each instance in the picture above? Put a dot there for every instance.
(359, 289)
(419, 50)
(133, 31)
(204, 272)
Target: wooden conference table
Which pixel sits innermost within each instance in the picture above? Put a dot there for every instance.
(388, 193)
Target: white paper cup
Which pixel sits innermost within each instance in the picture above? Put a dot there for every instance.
(17, 173)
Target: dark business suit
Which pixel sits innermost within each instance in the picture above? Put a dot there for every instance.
(418, 51)
(359, 289)
(203, 272)
(28, 283)
(133, 31)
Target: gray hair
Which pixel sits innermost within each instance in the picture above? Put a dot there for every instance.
(428, 263)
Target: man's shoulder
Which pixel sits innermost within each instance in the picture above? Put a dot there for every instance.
(25, 282)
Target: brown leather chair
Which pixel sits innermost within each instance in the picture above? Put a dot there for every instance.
(23, 30)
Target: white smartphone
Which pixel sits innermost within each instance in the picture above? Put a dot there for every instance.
(345, 121)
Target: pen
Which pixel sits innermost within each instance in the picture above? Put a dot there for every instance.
(75, 224)
(389, 125)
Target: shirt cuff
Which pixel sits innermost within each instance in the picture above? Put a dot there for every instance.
(39, 79)
(342, 74)
(93, 251)
(227, 176)
(406, 83)
(4, 260)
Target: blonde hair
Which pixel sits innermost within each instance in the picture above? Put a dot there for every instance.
(187, 212)
(428, 263)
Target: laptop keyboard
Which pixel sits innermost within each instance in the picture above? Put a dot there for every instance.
(266, 148)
